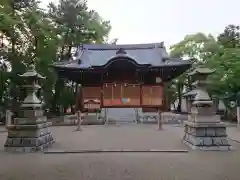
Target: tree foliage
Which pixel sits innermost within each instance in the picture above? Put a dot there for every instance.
(29, 34)
(196, 48)
(221, 54)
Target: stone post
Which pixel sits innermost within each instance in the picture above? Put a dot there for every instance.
(30, 131)
(159, 120)
(137, 117)
(106, 116)
(203, 130)
(79, 118)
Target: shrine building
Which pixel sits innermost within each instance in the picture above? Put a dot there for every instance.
(122, 76)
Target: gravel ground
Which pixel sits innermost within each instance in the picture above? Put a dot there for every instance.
(194, 165)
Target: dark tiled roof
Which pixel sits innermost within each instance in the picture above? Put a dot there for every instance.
(123, 46)
(99, 55)
(90, 55)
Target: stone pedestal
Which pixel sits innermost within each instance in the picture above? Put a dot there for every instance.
(206, 136)
(30, 131)
(204, 130)
(29, 134)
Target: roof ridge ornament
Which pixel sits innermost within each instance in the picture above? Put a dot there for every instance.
(121, 51)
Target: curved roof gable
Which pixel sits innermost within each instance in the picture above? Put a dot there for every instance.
(142, 54)
(153, 55)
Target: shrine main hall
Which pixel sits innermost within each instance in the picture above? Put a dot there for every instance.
(117, 76)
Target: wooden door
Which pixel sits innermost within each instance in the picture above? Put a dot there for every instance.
(152, 96)
(91, 93)
(121, 95)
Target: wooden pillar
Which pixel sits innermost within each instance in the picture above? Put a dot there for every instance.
(79, 117)
(159, 120)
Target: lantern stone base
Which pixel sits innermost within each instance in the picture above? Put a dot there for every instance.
(28, 137)
(206, 136)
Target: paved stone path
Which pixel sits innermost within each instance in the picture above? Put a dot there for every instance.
(121, 166)
(132, 136)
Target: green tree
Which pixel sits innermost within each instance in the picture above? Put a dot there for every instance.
(226, 62)
(75, 25)
(230, 38)
(197, 48)
(43, 37)
(12, 27)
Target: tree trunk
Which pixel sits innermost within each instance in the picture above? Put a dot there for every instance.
(179, 89)
(58, 86)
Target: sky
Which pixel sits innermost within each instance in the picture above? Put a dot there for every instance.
(152, 21)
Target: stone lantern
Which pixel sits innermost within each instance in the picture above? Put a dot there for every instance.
(203, 130)
(30, 131)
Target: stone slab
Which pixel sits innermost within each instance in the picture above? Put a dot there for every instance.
(204, 119)
(33, 133)
(206, 131)
(30, 113)
(29, 149)
(29, 127)
(115, 151)
(30, 121)
(209, 148)
(193, 124)
(210, 131)
(28, 141)
(20, 144)
(206, 140)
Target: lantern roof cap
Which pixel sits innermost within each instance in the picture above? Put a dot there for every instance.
(201, 70)
(31, 72)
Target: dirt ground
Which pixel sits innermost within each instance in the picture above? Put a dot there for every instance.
(194, 165)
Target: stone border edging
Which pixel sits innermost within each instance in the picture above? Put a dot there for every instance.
(114, 151)
(234, 140)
